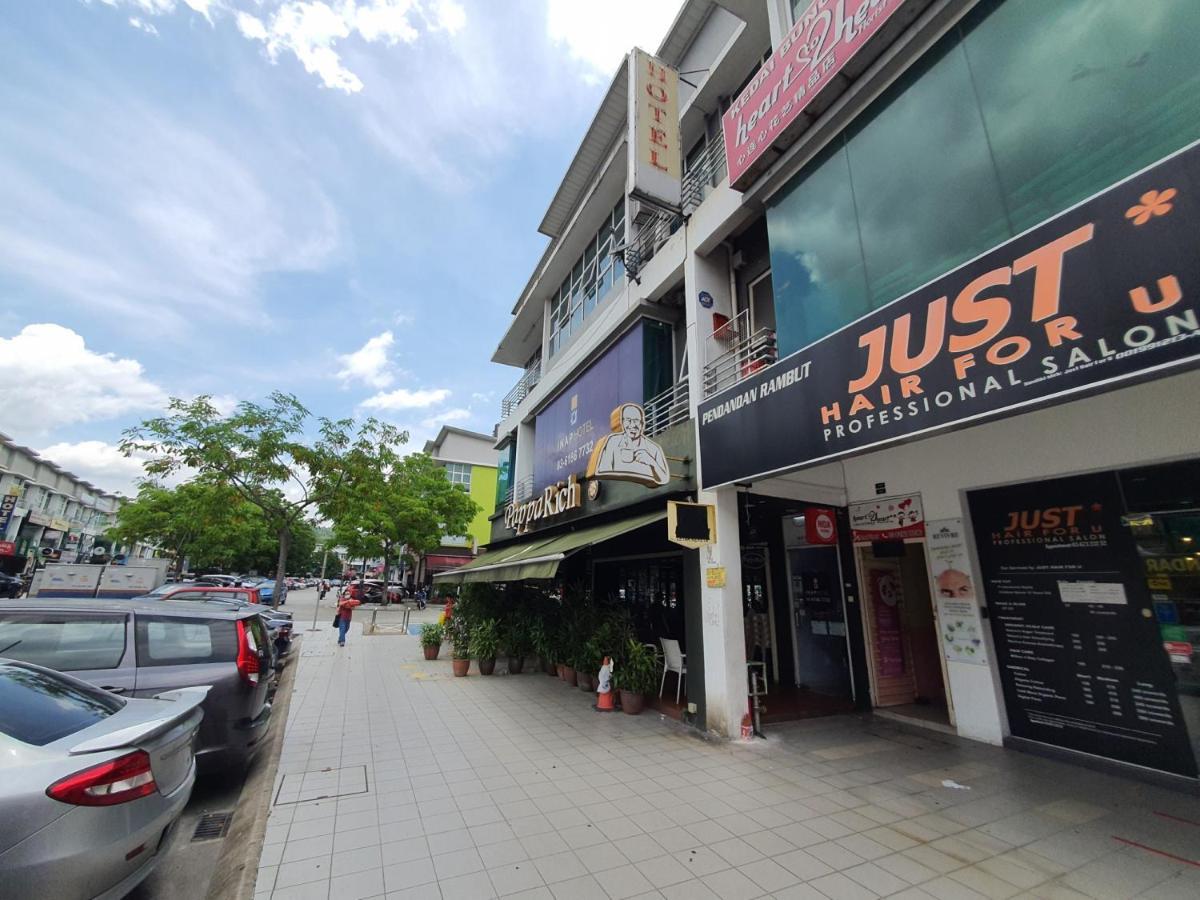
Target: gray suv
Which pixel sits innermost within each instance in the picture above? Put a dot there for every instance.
(140, 649)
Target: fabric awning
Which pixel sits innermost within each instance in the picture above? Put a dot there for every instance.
(539, 558)
(442, 561)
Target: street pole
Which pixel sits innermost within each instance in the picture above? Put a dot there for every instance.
(317, 605)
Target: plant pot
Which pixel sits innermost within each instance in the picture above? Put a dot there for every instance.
(487, 666)
(431, 652)
(632, 703)
(548, 667)
(461, 667)
(516, 665)
(586, 681)
(569, 675)
(562, 671)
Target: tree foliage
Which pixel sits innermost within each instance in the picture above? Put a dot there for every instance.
(261, 452)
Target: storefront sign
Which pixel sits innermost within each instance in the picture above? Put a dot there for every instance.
(626, 454)
(8, 548)
(1080, 653)
(714, 576)
(890, 519)
(883, 588)
(8, 503)
(569, 428)
(825, 37)
(1098, 297)
(37, 518)
(60, 524)
(654, 152)
(554, 501)
(820, 525)
(959, 623)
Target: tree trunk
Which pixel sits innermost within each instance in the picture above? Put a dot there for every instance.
(285, 544)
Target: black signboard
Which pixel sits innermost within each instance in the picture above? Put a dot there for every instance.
(1103, 294)
(1080, 654)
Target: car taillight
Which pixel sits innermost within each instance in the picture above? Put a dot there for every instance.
(116, 781)
(247, 657)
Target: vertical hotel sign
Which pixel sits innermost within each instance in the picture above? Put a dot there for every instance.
(655, 167)
(824, 39)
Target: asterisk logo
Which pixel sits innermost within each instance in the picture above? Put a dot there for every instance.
(1154, 203)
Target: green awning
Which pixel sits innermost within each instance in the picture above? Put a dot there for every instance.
(539, 558)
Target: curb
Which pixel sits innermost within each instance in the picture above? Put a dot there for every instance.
(236, 869)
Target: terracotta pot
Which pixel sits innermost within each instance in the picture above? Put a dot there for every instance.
(569, 675)
(461, 667)
(431, 652)
(632, 703)
(586, 681)
(548, 668)
(562, 671)
(486, 666)
(516, 665)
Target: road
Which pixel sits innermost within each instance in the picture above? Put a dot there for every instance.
(187, 866)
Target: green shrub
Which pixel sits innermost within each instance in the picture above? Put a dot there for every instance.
(484, 639)
(638, 669)
(432, 634)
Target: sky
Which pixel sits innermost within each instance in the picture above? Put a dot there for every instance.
(334, 198)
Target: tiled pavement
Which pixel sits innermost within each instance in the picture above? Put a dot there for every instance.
(512, 786)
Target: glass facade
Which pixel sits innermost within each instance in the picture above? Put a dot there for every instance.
(594, 274)
(1021, 111)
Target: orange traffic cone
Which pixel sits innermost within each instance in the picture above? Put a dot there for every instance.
(604, 692)
(747, 724)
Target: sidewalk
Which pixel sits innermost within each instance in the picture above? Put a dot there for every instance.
(512, 786)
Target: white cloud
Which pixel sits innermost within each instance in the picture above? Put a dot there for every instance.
(601, 32)
(251, 26)
(437, 420)
(368, 364)
(49, 378)
(142, 25)
(402, 398)
(224, 404)
(100, 463)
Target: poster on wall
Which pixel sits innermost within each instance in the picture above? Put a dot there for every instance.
(959, 624)
(887, 519)
(1098, 297)
(883, 586)
(1079, 650)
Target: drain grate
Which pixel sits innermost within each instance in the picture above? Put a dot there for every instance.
(212, 826)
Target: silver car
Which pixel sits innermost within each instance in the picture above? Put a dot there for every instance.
(90, 783)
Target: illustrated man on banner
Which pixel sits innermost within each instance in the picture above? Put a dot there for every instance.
(627, 454)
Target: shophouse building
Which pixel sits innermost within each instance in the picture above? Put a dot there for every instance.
(469, 461)
(929, 287)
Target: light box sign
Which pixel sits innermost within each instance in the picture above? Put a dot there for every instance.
(655, 169)
(825, 37)
(1098, 297)
(569, 429)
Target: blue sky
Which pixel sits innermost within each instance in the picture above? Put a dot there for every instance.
(338, 199)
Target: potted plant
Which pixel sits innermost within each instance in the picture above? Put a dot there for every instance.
(432, 635)
(485, 642)
(587, 663)
(516, 642)
(636, 675)
(456, 630)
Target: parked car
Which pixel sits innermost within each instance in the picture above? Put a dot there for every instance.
(142, 648)
(200, 591)
(279, 622)
(91, 784)
(10, 585)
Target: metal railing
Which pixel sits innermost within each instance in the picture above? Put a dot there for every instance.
(667, 409)
(649, 239)
(732, 353)
(521, 390)
(705, 172)
(523, 489)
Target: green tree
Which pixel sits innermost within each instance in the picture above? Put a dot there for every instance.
(260, 451)
(203, 522)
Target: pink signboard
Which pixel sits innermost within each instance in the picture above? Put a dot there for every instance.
(823, 40)
(884, 590)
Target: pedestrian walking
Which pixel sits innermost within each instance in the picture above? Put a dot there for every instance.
(345, 612)
(322, 590)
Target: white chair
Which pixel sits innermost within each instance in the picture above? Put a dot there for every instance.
(673, 661)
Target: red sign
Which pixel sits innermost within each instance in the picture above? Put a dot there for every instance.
(884, 588)
(8, 548)
(888, 519)
(820, 525)
(825, 37)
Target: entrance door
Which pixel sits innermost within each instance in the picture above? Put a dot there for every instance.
(818, 621)
(757, 609)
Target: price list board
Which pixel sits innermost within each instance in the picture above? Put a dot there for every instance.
(1080, 656)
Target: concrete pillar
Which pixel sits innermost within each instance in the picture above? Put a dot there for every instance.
(779, 18)
(723, 630)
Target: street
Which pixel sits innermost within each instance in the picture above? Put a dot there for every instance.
(399, 780)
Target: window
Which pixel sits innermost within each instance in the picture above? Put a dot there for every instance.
(69, 643)
(39, 708)
(459, 473)
(1000, 126)
(170, 641)
(594, 274)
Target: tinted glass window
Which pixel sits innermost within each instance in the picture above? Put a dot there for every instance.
(38, 707)
(170, 641)
(69, 643)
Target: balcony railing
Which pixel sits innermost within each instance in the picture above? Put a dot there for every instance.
(667, 409)
(523, 489)
(732, 353)
(520, 390)
(649, 239)
(704, 173)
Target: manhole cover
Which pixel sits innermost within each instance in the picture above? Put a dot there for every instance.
(321, 784)
(212, 826)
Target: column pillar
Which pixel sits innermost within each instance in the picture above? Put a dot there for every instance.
(723, 629)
